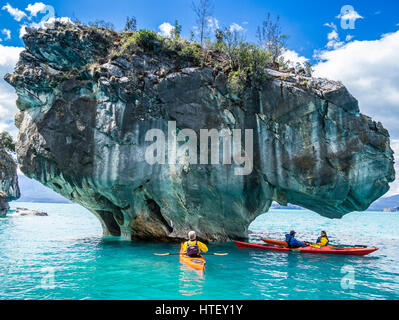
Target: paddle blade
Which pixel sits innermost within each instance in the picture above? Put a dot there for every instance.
(220, 254)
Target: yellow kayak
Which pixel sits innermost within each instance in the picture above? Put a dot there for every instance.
(197, 263)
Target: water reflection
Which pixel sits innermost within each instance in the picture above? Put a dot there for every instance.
(191, 281)
(292, 263)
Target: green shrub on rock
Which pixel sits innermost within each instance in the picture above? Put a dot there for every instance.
(248, 62)
(192, 52)
(145, 39)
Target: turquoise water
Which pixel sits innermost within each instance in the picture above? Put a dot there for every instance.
(64, 256)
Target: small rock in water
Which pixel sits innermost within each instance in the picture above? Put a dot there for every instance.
(28, 212)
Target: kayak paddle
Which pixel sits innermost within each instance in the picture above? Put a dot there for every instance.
(173, 254)
(342, 245)
(310, 243)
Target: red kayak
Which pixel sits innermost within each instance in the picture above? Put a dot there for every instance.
(283, 243)
(275, 242)
(322, 250)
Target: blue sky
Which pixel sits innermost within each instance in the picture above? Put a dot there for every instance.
(303, 21)
(365, 59)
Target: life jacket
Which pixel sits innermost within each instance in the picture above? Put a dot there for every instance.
(292, 242)
(288, 239)
(192, 250)
(319, 240)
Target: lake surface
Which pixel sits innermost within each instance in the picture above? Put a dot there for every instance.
(65, 256)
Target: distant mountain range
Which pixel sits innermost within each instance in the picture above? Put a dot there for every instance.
(33, 191)
(388, 204)
(385, 203)
(290, 206)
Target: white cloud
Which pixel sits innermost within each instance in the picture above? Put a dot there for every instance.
(234, 27)
(14, 12)
(292, 57)
(333, 35)
(394, 186)
(331, 25)
(7, 33)
(212, 24)
(44, 24)
(349, 37)
(334, 42)
(370, 70)
(35, 8)
(166, 29)
(8, 58)
(22, 31)
(50, 22)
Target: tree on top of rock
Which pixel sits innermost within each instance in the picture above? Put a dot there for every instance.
(203, 10)
(271, 38)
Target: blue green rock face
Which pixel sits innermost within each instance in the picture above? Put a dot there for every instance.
(9, 189)
(86, 103)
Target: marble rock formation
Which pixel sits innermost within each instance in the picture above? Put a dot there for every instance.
(86, 104)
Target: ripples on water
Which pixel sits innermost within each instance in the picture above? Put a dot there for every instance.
(64, 256)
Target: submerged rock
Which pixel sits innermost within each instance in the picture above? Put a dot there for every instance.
(28, 212)
(395, 209)
(86, 104)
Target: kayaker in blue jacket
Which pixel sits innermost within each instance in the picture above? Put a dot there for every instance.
(292, 242)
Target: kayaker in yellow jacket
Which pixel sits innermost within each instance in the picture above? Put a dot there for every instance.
(193, 247)
(321, 241)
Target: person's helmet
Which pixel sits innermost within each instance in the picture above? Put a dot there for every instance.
(192, 235)
(292, 233)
